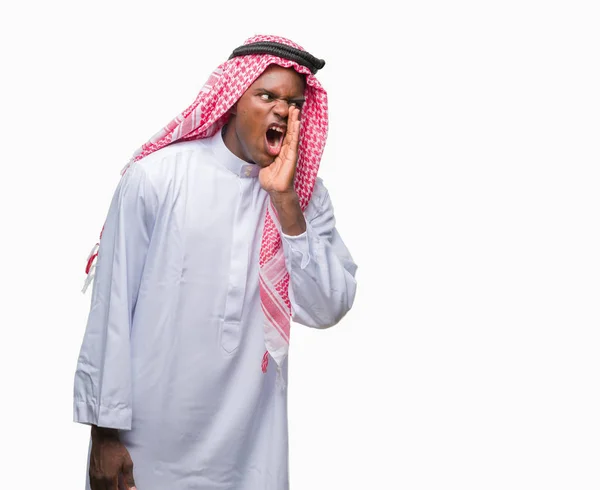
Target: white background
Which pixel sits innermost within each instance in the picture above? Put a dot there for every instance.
(463, 165)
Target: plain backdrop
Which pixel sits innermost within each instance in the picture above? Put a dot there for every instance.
(463, 164)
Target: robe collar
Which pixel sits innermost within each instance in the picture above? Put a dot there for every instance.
(236, 165)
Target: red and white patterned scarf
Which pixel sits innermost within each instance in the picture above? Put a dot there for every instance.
(208, 113)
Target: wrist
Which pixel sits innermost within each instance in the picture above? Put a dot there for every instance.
(104, 433)
(289, 213)
(285, 198)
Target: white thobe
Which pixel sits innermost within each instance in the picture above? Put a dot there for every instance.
(172, 351)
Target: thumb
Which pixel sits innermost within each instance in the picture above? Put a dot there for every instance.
(127, 477)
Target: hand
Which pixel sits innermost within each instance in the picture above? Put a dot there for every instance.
(110, 463)
(278, 178)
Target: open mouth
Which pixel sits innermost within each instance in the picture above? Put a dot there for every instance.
(274, 138)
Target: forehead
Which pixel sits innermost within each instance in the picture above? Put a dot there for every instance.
(280, 80)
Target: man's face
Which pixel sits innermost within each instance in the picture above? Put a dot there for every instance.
(258, 124)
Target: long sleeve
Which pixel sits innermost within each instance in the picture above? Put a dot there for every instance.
(102, 390)
(322, 272)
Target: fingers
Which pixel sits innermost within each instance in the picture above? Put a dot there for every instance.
(295, 134)
(104, 483)
(279, 176)
(111, 467)
(98, 481)
(289, 147)
(293, 125)
(286, 140)
(127, 473)
(125, 486)
(293, 130)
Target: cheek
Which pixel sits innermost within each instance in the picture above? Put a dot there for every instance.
(256, 123)
(253, 118)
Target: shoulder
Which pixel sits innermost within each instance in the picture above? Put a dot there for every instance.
(176, 153)
(319, 202)
(172, 162)
(320, 194)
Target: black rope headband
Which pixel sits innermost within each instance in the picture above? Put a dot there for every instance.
(283, 51)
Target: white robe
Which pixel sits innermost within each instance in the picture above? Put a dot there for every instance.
(174, 341)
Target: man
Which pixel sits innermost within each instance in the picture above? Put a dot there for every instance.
(218, 232)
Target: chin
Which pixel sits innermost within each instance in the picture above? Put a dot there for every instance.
(264, 161)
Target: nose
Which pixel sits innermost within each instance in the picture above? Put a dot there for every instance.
(281, 108)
